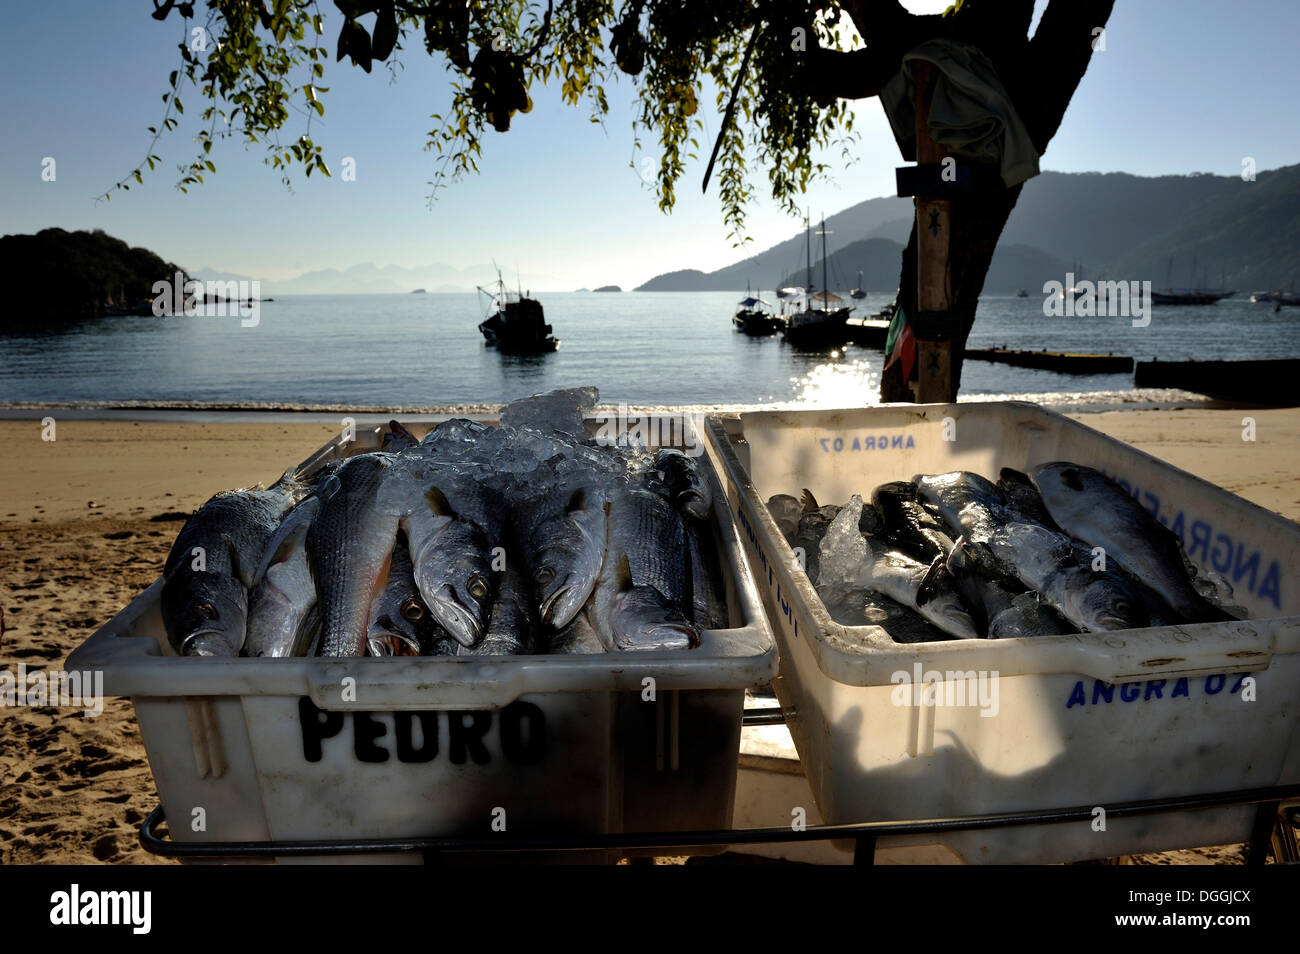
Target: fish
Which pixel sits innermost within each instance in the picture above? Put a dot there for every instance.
(858, 606)
(398, 438)
(578, 638)
(452, 522)
(283, 615)
(688, 489)
(1092, 508)
(969, 504)
(212, 564)
(512, 626)
(909, 524)
(640, 598)
(350, 545)
(851, 559)
(1023, 498)
(1048, 562)
(562, 533)
(807, 540)
(786, 511)
(400, 621)
(998, 603)
(708, 602)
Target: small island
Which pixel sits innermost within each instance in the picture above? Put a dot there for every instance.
(608, 288)
(418, 291)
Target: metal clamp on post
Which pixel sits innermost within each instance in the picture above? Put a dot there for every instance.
(934, 325)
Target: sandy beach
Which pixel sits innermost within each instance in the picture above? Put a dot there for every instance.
(86, 521)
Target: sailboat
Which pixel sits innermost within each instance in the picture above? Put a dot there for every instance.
(857, 290)
(1188, 296)
(813, 327)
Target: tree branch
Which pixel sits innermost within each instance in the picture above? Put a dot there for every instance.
(1059, 55)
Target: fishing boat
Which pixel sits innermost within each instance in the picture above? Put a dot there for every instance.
(1289, 299)
(754, 317)
(1021, 293)
(516, 323)
(811, 327)
(857, 290)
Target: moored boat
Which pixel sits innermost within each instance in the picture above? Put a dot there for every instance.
(517, 324)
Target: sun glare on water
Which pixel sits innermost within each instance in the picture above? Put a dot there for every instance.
(846, 382)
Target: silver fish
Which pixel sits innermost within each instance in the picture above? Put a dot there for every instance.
(282, 607)
(400, 622)
(213, 564)
(1048, 562)
(969, 504)
(561, 525)
(851, 559)
(452, 522)
(350, 544)
(687, 486)
(1093, 508)
(786, 511)
(640, 598)
(1001, 607)
(512, 627)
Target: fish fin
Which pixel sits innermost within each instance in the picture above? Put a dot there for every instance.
(235, 563)
(622, 573)
(930, 583)
(808, 501)
(1013, 476)
(329, 486)
(438, 502)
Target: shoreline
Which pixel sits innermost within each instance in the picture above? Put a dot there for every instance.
(1065, 402)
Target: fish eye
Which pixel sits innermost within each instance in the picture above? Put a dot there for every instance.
(412, 610)
(205, 609)
(543, 575)
(478, 588)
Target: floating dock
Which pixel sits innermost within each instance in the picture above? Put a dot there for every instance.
(868, 332)
(1275, 381)
(1063, 362)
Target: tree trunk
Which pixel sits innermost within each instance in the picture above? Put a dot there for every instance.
(977, 223)
(1041, 76)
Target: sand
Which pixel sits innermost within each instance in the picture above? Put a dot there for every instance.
(74, 789)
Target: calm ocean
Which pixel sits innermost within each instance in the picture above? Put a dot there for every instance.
(642, 348)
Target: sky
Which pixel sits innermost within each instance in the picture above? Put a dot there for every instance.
(1183, 86)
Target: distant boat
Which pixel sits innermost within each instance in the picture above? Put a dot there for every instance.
(812, 327)
(1289, 299)
(517, 324)
(754, 317)
(857, 291)
(1188, 296)
(1021, 293)
(418, 291)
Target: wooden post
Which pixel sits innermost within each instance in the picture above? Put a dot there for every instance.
(933, 233)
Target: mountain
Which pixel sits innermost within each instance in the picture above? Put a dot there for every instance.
(1115, 224)
(372, 279)
(1013, 267)
(1250, 236)
(760, 271)
(77, 274)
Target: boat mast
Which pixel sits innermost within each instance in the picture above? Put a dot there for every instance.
(826, 304)
(807, 251)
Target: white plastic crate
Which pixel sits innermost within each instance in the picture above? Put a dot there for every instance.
(268, 749)
(1082, 720)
